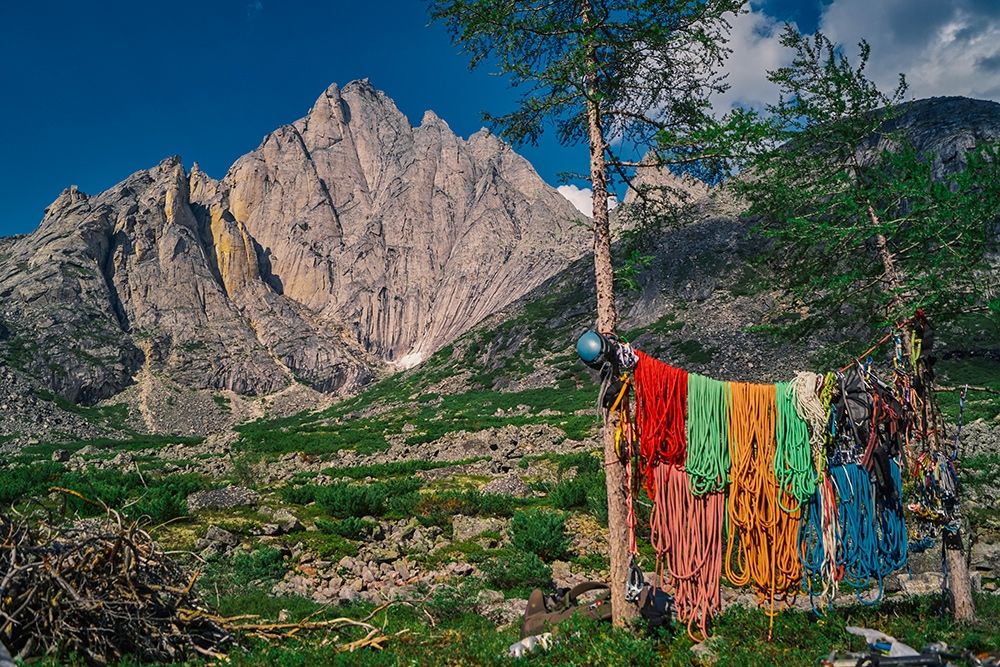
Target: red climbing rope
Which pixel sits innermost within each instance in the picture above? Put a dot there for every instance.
(661, 406)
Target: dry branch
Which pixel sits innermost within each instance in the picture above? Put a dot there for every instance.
(101, 589)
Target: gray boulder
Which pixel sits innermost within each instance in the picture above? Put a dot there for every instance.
(222, 499)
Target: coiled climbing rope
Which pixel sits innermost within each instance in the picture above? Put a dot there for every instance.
(687, 536)
(793, 465)
(819, 536)
(661, 404)
(762, 548)
(707, 461)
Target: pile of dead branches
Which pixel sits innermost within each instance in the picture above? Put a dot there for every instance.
(102, 589)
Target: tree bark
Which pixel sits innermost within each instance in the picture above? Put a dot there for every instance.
(892, 280)
(959, 584)
(607, 321)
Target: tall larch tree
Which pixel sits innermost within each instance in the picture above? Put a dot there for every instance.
(627, 78)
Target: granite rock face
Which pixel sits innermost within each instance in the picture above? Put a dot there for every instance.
(347, 241)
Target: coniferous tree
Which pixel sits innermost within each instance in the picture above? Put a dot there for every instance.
(618, 76)
(866, 228)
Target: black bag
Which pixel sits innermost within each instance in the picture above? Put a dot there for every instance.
(656, 606)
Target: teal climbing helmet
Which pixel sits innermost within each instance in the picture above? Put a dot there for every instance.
(593, 349)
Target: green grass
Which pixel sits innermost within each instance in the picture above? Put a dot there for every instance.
(44, 450)
(111, 416)
(974, 371)
(339, 428)
(459, 638)
(666, 324)
(397, 469)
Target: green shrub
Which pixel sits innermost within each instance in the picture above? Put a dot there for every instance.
(584, 462)
(351, 527)
(266, 564)
(570, 493)
(29, 480)
(517, 571)
(438, 508)
(166, 498)
(347, 500)
(597, 502)
(541, 533)
(298, 495)
(447, 602)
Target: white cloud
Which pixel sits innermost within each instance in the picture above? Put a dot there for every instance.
(583, 199)
(755, 45)
(943, 48)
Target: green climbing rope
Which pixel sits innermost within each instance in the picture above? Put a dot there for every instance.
(793, 457)
(707, 461)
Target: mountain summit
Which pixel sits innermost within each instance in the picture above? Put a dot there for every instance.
(346, 241)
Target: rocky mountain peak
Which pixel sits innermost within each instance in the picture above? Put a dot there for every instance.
(346, 241)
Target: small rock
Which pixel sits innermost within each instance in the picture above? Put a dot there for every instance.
(401, 569)
(925, 583)
(348, 594)
(270, 529)
(284, 615)
(233, 496)
(704, 654)
(346, 562)
(123, 459)
(216, 534)
(289, 522)
(468, 527)
(511, 485)
(60, 456)
(387, 553)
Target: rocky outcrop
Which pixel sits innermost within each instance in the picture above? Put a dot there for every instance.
(346, 240)
(410, 235)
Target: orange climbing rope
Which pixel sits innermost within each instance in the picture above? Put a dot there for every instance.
(762, 548)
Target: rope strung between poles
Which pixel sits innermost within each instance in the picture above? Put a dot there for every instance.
(793, 456)
(686, 531)
(707, 461)
(762, 549)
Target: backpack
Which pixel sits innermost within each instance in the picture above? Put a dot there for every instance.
(545, 611)
(656, 606)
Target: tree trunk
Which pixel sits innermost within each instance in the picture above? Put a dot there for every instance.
(959, 584)
(893, 282)
(607, 321)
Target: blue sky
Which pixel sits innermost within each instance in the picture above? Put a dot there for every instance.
(93, 91)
